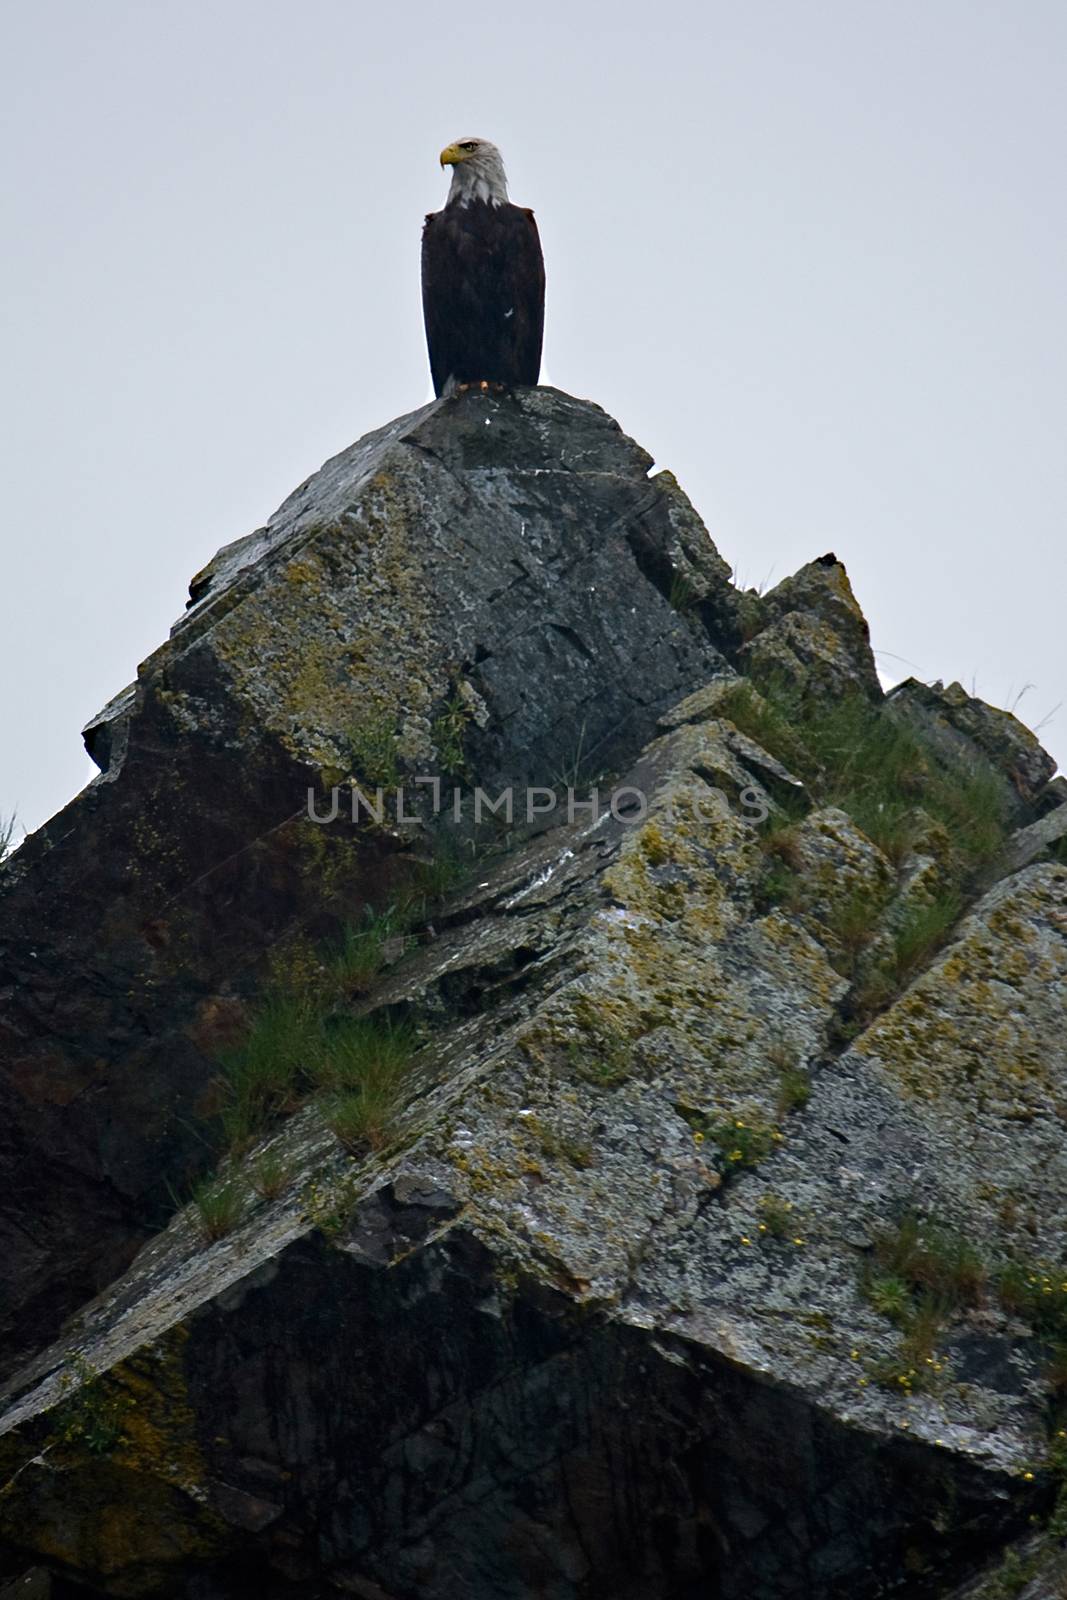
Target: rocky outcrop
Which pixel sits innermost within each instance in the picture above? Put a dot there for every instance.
(711, 1242)
(813, 636)
(489, 554)
(956, 724)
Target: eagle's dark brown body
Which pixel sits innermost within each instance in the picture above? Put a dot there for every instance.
(483, 294)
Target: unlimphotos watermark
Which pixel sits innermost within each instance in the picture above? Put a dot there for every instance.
(518, 804)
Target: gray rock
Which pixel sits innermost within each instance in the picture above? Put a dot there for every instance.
(490, 548)
(1028, 843)
(598, 1313)
(814, 636)
(964, 729)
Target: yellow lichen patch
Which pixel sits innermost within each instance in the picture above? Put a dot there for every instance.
(140, 1503)
(836, 578)
(653, 845)
(303, 572)
(112, 1524)
(159, 1427)
(343, 623)
(701, 705)
(668, 869)
(485, 1173)
(789, 947)
(661, 996)
(983, 1025)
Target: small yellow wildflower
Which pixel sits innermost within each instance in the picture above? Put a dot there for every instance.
(698, 1137)
(745, 1239)
(735, 1155)
(798, 1241)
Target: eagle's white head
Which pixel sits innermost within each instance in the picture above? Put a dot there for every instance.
(477, 172)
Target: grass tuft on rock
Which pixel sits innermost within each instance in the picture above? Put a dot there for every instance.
(448, 732)
(922, 1275)
(362, 1050)
(853, 923)
(933, 1260)
(364, 947)
(743, 1141)
(373, 751)
(1037, 1296)
(364, 1066)
(296, 1045)
(794, 1091)
(891, 1297)
(270, 1175)
(682, 595)
(924, 931)
(268, 1074)
(295, 1051)
(777, 1216)
(7, 835)
(366, 1075)
(861, 758)
(219, 1203)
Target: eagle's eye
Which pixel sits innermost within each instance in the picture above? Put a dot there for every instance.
(468, 144)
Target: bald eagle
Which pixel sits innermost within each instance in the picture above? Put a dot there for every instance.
(483, 277)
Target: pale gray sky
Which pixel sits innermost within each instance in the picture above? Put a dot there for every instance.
(811, 255)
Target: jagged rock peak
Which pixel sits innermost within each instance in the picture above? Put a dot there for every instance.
(648, 1203)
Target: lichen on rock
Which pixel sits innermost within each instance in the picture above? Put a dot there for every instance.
(713, 1236)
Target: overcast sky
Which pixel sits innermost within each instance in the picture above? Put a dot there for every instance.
(811, 255)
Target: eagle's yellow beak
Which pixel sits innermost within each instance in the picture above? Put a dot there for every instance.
(452, 155)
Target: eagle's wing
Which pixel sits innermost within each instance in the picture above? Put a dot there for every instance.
(527, 281)
(483, 285)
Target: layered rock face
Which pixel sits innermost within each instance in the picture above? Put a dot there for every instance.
(710, 1239)
(498, 551)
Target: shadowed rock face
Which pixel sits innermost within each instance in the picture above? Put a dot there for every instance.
(596, 1317)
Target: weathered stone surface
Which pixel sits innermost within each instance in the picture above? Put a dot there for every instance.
(814, 636)
(962, 727)
(1030, 842)
(489, 547)
(556, 1283)
(596, 1318)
